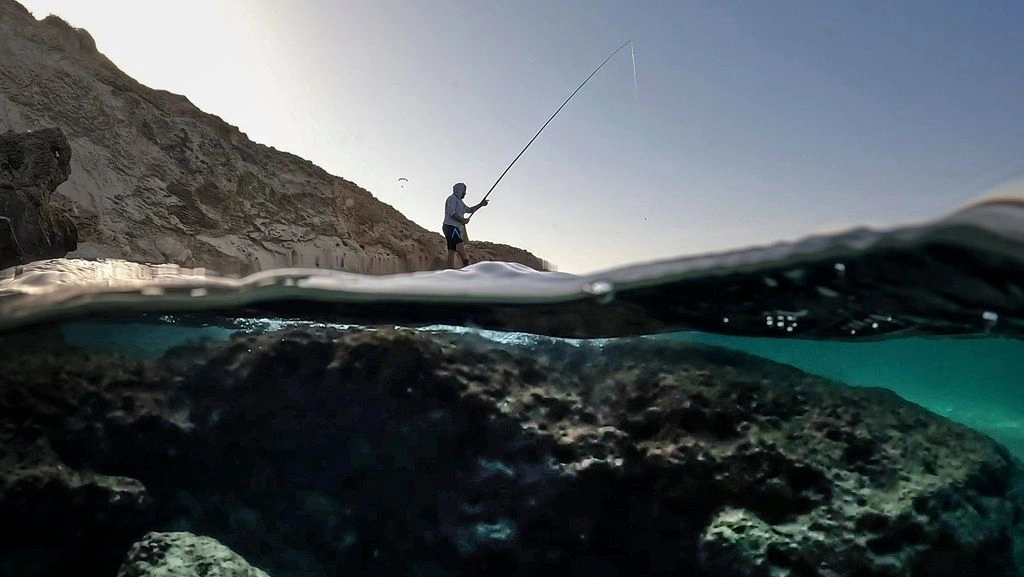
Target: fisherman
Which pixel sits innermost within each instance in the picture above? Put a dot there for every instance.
(454, 219)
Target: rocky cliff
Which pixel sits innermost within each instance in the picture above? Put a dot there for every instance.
(153, 178)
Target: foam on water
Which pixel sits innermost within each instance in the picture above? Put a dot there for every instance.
(703, 292)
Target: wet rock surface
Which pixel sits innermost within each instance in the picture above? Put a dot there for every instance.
(184, 555)
(32, 225)
(330, 452)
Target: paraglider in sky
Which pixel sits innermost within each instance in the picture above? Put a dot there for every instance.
(403, 180)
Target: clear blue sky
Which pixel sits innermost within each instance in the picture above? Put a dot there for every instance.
(756, 122)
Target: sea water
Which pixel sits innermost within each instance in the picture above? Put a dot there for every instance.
(933, 313)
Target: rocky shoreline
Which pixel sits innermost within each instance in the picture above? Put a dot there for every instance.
(393, 452)
(156, 179)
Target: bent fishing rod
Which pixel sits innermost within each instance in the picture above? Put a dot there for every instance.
(592, 74)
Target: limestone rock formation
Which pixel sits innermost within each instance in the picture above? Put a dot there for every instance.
(184, 555)
(390, 452)
(155, 179)
(32, 225)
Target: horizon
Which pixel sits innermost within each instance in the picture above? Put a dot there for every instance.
(845, 134)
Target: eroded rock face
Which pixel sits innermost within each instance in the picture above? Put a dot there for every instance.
(32, 226)
(184, 555)
(325, 452)
(155, 179)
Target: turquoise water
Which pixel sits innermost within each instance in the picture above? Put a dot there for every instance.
(975, 381)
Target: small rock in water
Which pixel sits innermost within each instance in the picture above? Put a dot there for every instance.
(184, 554)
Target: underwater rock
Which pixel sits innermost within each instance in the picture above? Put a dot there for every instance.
(32, 166)
(58, 512)
(65, 514)
(394, 452)
(184, 555)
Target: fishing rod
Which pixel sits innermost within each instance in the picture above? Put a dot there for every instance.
(628, 42)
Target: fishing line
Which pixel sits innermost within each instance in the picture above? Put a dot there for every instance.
(629, 43)
(636, 87)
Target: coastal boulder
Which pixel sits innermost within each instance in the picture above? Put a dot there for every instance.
(32, 225)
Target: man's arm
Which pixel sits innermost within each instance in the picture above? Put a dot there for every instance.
(461, 217)
(458, 212)
(473, 209)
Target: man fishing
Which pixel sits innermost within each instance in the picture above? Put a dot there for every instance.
(455, 209)
(454, 218)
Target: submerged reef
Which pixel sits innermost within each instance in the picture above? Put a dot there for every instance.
(322, 452)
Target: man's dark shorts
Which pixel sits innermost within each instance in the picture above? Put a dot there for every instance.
(453, 235)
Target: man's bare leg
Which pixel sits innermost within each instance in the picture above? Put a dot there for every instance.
(461, 247)
(451, 258)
